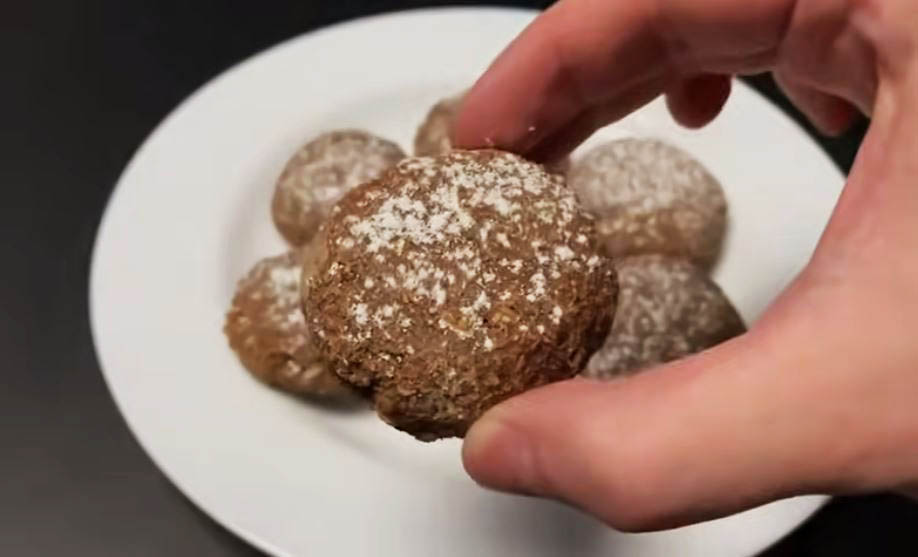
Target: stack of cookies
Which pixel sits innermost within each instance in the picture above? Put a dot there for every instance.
(439, 285)
(265, 324)
(662, 216)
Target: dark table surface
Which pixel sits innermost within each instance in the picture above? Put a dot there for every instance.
(83, 83)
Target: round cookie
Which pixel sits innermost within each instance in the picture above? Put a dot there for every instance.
(668, 308)
(321, 172)
(455, 282)
(266, 328)
(651, 197)
(434, 135)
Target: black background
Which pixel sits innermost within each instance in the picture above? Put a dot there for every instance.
(82, 84)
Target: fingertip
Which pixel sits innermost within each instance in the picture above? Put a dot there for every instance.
(521, 444)
(560, 67)
(696, 101)
(477, 445)
(839, 119)
(474, 125)
(478, 125)
(498, 455)
(504, 109)
(830, 115)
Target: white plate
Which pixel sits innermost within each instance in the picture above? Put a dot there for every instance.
(190, 215)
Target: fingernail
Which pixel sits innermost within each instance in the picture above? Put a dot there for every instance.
(499, 456)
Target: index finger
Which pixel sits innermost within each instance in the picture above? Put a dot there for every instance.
(584, 63)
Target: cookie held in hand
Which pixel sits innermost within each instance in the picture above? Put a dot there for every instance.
(455, 282)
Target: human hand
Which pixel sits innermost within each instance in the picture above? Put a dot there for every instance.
(822, 394)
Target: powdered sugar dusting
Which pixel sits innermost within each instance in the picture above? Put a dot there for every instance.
(564, 253)
(454, 239)
(284, 283)
(667, 309)
(644, 171)
(268, 299)
(359, 313)
(537, 290)
(651, 197)
(325, 169)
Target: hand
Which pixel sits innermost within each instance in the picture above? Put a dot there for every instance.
(822, 394)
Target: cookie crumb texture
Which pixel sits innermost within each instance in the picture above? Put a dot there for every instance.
(651, 197)
(266, 328)
(668, 308)
(321, 172)
(455, 282)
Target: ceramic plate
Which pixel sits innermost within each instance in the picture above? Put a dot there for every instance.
(191, 214)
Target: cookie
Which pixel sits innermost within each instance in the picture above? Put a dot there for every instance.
(455, 282)
(320, 173)
(668, 308)
(266, 328)
(434, 135)
(651, 197)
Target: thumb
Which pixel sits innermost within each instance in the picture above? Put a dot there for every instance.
(704, 437)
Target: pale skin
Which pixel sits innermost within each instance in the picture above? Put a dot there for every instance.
(821, 395)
